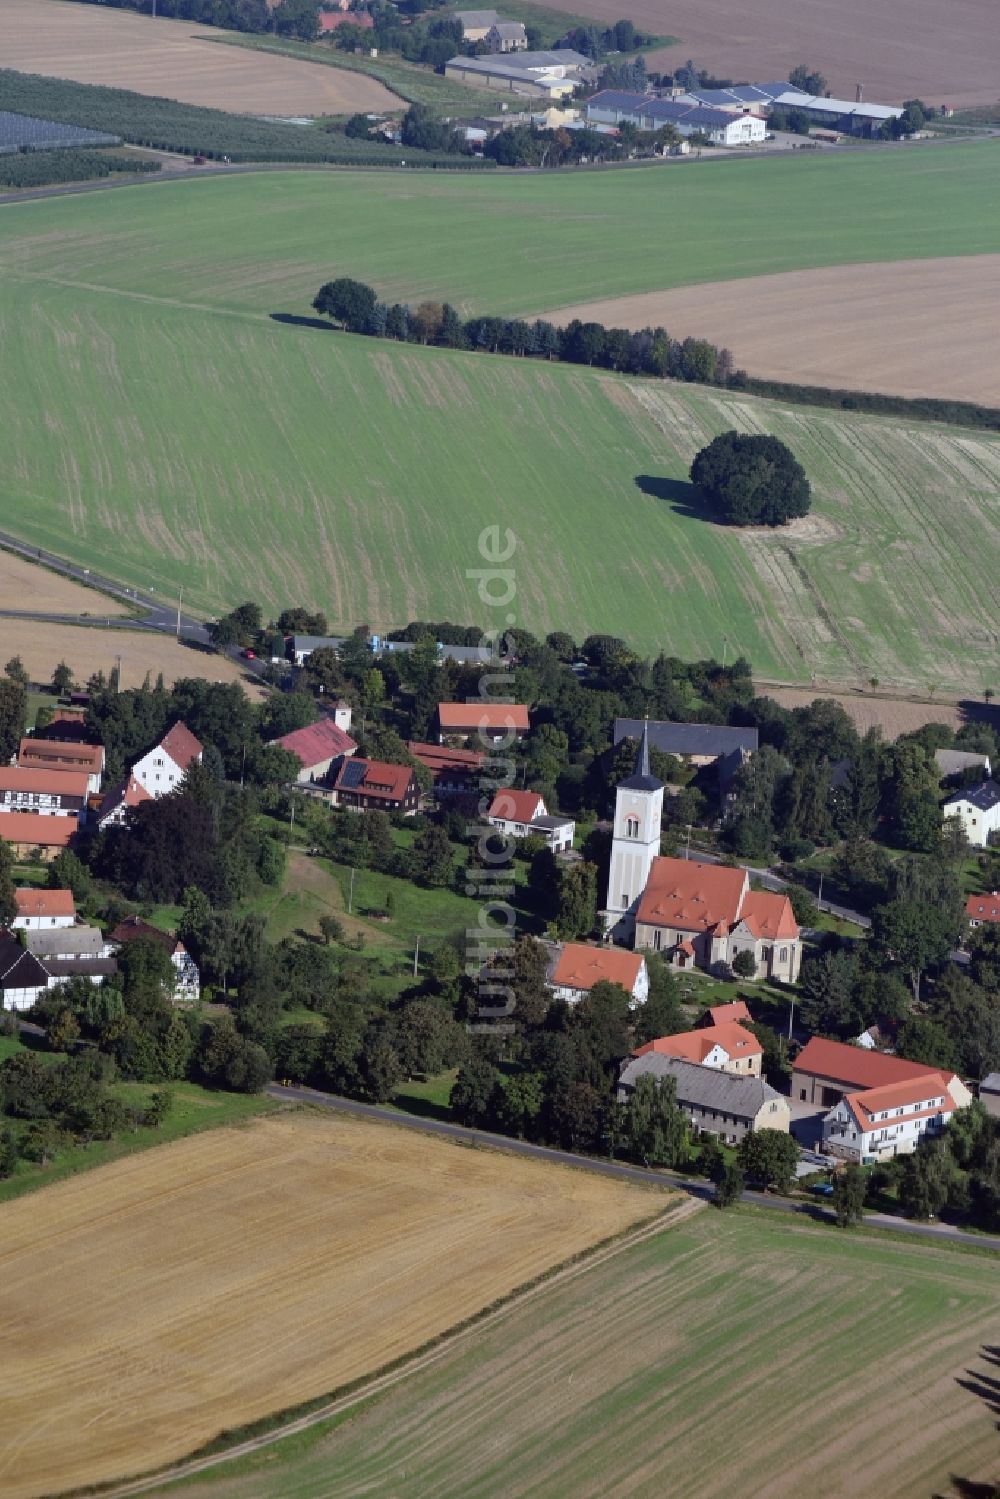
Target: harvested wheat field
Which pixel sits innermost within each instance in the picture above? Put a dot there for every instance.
(174, 60)
(24, 585)
(88, 649)
(151, 1303)
(897, 49)
(894, 716)
(910, 328)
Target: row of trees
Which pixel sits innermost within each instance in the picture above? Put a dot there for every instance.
(355, 307)
(292, 18)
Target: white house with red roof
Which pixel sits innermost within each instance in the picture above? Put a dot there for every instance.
(317, 747)
(824, 1072)
(579, 966)
(523, 814)
(880, 1123)
(119, 801)
(163, 768)
(730, 1047)
(43, 910)
(980, 908)
(376, 785)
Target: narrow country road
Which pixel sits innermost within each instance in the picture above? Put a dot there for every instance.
(618, 1169)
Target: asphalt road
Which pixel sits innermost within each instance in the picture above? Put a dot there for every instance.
(616, 1169)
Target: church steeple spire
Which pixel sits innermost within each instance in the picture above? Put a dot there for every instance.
(642, 758)
(642, 778)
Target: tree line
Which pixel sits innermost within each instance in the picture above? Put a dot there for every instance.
(356, 308)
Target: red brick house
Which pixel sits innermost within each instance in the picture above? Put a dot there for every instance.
(374, 784)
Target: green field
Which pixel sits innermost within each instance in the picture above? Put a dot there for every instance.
(727, 1356)
(160, 425)
(497, 242)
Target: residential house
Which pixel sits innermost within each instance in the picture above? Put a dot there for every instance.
(880, 1123)
(716, 1102)
(330, 20)
(40, 910)
(506, 36)
(824, 1072)
(51, 793)
(55, 754)
(705, 915)
(490, 722)
(687, 116)
(734, 1012)
(303, 646)
(362, 784)
(119, 801)
(980, 908)
(989, 1094)
(454, 772)
(163, 768)
(187, 979)
(22, 977)
(73, 952)
(36, 835)
(523, 814)
(978, 811)
(952, 762)
(695, 744)
(730, 1047)
(317, 747)
(579, 966)
(476, 24)
(547, 75)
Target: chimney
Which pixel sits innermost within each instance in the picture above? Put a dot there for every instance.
(859, 93)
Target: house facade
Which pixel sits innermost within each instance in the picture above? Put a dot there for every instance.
(982, 908)
(728, 1047)
(33, 835)
(880, 1123)
(43, 910)
(163, 768)
(187, 978)
(523, 814)
(119, 801)
(824, 1072)
(705, 916)
(376, 784)
(317, 748)
(716, 1102)
(506, 36)
(579, 966)
(22, 977)
(56, 754)
(487, 722)
(66, 943)
(978, 811)
(476, 24)
(51, 793)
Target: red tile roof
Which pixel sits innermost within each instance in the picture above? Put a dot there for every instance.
(439, 757)
(89, 757)
(983, 907)
(34, 902)
(57, 780)
(581, 966)
(769, 915)
(468, 717)
(866, 1105)
(329, 20)
(133, 928)
(128, 793)
(694, 1046)
(181, 745)
(736, 1010)
(317, 743)
(691, 896)
(855, 1067)
(516, 806)
(381, 780)
(37, 829)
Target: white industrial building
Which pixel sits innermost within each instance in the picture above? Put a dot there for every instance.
(721, 127)
(552, 75)
(849, 116)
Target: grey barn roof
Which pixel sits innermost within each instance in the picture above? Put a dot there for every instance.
(317, 642)
(703, 1087)
(688, 738)
(88, 968)
(951, 762)
(984, 797)
(86, 941)
(991, 1083)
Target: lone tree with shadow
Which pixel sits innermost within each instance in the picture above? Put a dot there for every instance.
(752, 481)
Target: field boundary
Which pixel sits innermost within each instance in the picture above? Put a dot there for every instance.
(245, 1441)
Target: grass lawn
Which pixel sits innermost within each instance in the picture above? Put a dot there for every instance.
(781, 1340)
(430, 1097)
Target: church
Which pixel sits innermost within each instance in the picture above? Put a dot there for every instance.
(698, 915)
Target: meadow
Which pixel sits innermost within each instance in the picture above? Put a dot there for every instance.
(736, 1355)
(242, 457)
(229, 1275)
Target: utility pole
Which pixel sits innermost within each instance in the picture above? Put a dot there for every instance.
(687, 847)
(243, 772)
(180, 596)
(819, 898)
(791, 1014)
(416, 957)
(118, 678)
(350, 898)
(291, 820)
(725, 650)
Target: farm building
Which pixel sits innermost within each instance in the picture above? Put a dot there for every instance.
(824, 1072)
(697, 744)
(317, 747)
(162, 768)
(735, 1011)
(716, 1102)
(22, 977)
(490, 722)
(616, 107)
(551, 75)
(476, 24)
(42, 910)
(67, 942)
(579, 966)
(957, 762)
(729, 1047)
(52, 754)
(506, 36)
(51, 793)
(35, 835)
(187, 981)
(374, 783)
(523, 814)
(989, 1094)
(455, 772)
(980, 908)
(847, 116)
(978, 811)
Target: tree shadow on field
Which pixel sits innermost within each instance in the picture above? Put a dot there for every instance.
(968, 1488)
(683, 497)
(301, 322)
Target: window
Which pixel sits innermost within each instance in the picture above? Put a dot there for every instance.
(657, 939)
(625, 900)
(631, 827)
(783, 955)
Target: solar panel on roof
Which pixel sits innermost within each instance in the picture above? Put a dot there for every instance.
(354, 774)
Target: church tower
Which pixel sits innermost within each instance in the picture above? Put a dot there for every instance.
(636, 843)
